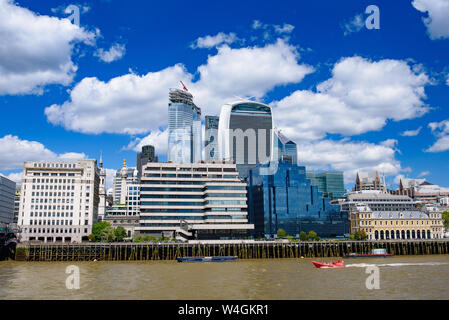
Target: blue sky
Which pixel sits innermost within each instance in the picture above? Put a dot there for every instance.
(345, 93)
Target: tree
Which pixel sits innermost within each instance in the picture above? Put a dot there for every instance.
(98, 228)
(91, 237)
(120, 233)
(281, 233)
(312, 235)
(446, 219)
(303, 236)
(108, 234)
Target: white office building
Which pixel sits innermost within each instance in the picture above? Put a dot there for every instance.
(205, 200)
(59, 200)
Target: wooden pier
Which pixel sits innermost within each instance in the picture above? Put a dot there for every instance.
(255, 250)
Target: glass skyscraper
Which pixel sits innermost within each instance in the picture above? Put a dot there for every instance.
(284, 148)
(245, 134)
(330, 183)
(287, 200)
(184, 128)
(211, 143)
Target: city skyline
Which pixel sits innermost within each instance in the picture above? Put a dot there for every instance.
(306, 64)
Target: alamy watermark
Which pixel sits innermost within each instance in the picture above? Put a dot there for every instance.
(373, 20)
(74, 12)
(373, 280)
(72, 282)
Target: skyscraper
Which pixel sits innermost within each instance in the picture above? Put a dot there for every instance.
(184, 128)
(245, 134)
(330, 183)
(147, 155)
(285, 148)
(211, 144)
(7, 191)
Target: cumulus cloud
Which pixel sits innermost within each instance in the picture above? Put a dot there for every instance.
(360, 96)
(115, 52)
(353, 25)
(437, 21)
(158, 139)
(441, 131)
(16, 151)
(15, 176)
(36, 50)
(350, 157)
(137, 104)
(411, 133)
(423, 174)
(213, 41)
(279, 29)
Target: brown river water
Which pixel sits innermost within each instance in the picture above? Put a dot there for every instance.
(402, 277)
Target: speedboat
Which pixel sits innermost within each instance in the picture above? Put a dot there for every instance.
(338, 264)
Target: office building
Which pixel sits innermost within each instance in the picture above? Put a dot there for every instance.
(7, 193)
(131, 177)
(211, 144)
(284, 149)
(369, 181)
(426, 223)
(330, 183)
(184, 128)
(205, 200)
(378, 201)
(17, 203)
(421, 191)
(287, 200)
(146, 155)
(59, 200)
(245, 134)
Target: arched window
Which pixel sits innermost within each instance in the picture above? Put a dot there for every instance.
(423, 232)
(398, 234)
(387, 235)
(418, 234)
(376, 235)
(403, 234)
(413, 234)
(429, 236)
(408, 234)
(382, 237)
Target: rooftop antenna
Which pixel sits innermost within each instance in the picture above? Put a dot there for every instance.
(183, 86)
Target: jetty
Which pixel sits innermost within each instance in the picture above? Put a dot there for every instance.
(243, 250)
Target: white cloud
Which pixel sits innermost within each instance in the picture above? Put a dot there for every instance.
(36, 49)
(14, 152)
(423, 174)
(437, 21)
(213, 41)
(354, 25)
(411, 133)
(158, 139)
(115, 52)
(350, 157)
(360, 97)
(15, 176)
(136, 104)
(441, 131)
(285, 28)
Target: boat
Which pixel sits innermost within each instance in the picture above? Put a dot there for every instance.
(375, 253)
(206, 259)
(332, 264)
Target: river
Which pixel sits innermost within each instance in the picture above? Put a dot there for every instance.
(401, 277)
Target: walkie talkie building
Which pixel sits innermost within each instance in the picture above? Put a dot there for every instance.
(184, 128)
(245, 134)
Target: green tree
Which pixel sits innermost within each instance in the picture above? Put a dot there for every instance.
(108, 234)
(303, 236)
(281, 233)
(91, 237)
(120, 233)
(312, 235)
(446, 219)
(98, 228)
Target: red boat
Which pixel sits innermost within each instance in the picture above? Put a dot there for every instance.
(339, 263)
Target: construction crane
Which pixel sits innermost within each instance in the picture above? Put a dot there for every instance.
(183, 86)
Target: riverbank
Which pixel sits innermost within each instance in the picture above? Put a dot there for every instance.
(243, 250)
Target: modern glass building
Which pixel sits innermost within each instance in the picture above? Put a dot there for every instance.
(245, 134)
(147, 155)
(184, 128)
(287, 200)
(284, 148)
(7, 192)
(211, 143)
(330, 183)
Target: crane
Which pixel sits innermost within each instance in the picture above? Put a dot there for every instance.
(183, 86)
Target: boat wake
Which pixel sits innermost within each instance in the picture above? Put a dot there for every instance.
(364, 265)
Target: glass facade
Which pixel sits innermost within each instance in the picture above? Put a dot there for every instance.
(184, 128)
(288, 200)
(330, 183)
(211, 144)
(284, 148)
